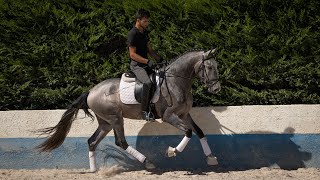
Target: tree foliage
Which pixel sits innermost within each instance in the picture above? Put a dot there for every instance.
(52, 51)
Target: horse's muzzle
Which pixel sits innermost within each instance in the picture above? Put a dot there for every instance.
(215, 89)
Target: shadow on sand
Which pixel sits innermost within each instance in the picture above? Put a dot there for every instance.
(252, 150)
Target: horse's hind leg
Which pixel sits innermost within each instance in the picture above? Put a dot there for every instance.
(103, 129)
(118, 129)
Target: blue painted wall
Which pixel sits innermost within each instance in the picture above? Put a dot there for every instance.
(234, 152)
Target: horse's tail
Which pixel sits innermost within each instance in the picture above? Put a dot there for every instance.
(58, 133)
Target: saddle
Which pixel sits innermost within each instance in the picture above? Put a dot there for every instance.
(131, 89)
(131, 77)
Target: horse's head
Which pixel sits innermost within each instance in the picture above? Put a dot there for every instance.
(207, 70)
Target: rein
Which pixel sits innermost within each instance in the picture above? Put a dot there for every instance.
(203, 78)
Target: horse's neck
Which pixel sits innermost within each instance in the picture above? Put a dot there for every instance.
(183, 68)
(183, 72)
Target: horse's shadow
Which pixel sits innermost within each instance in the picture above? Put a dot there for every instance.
(252, 150)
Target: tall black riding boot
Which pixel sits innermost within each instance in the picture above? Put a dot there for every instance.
(145, 104)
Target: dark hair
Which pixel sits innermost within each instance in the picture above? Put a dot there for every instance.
(142, 13)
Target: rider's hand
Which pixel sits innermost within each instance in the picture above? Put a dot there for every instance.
(150, 64)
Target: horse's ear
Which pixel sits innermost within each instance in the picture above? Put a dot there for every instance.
(210, 54)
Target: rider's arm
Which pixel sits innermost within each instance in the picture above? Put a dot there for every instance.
(135, 56)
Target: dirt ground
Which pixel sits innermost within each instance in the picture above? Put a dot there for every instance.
(118, 173)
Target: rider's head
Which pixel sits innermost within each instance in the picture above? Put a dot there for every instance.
(142, 18)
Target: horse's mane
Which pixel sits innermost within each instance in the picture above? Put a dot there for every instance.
(186, 52)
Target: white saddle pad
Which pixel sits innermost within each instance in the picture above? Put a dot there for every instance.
(127, 91)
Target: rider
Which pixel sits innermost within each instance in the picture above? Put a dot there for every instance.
(139, 47)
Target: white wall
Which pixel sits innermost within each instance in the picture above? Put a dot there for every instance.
(302, 119)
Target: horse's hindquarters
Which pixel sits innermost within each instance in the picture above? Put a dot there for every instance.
(103, 99)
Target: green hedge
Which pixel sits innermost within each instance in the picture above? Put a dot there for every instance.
(51, 52)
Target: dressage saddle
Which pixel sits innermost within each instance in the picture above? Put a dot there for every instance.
(138, 89)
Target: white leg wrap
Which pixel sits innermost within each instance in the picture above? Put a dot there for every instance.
(205, 146)
(136, 154)
(183, 144)
(92, 160)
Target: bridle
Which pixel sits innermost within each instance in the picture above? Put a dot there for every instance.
(204, 78)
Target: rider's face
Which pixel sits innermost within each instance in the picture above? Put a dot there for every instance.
(144, 22)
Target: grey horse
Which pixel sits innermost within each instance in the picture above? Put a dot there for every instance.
(173, 107)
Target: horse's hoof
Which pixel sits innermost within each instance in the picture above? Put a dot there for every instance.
(211, 160)
(149, 165)
(171, 152)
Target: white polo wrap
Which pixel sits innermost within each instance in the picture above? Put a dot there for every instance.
(136, 154)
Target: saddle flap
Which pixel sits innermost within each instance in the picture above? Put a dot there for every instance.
(138, 91)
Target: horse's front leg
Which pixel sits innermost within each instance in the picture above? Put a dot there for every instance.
(178, 123)
(211, 160)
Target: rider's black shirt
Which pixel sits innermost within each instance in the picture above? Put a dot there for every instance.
(140, 41)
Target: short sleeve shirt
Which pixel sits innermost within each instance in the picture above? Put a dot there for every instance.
(139, 40)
